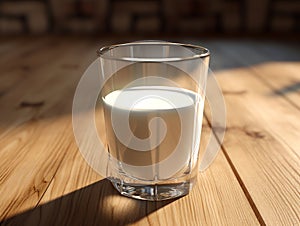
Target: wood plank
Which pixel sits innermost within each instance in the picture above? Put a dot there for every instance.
(25, 62)
(217, 199)
(34, 146)
(262, 140)
(256, 176)
(273, 83)
(279, 68)
(23, 47)
(30, 86)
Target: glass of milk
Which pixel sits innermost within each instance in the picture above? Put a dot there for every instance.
(153, 99)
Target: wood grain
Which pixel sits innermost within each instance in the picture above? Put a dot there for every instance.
(261, 141)
(275, 64)
(44, 180)
(214, 200)
(32, 138)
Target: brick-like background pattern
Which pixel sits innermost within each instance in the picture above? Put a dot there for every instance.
(148, 16)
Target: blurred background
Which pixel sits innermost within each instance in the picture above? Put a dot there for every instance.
(150, 17)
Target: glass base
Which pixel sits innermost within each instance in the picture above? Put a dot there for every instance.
(156, 192)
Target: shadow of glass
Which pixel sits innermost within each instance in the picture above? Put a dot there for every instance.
(91, 205)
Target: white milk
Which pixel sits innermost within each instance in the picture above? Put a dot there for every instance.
(143, 149)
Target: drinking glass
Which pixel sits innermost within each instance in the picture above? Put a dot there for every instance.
(153, 99)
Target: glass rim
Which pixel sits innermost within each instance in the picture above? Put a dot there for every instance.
(101, 52)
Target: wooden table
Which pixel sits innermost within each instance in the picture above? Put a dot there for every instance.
(44, 180)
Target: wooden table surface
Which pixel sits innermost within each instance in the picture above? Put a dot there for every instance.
(44, 180)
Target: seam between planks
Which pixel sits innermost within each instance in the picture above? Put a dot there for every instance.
(239, 179)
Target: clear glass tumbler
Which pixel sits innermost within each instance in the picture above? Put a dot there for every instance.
(153, 100)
